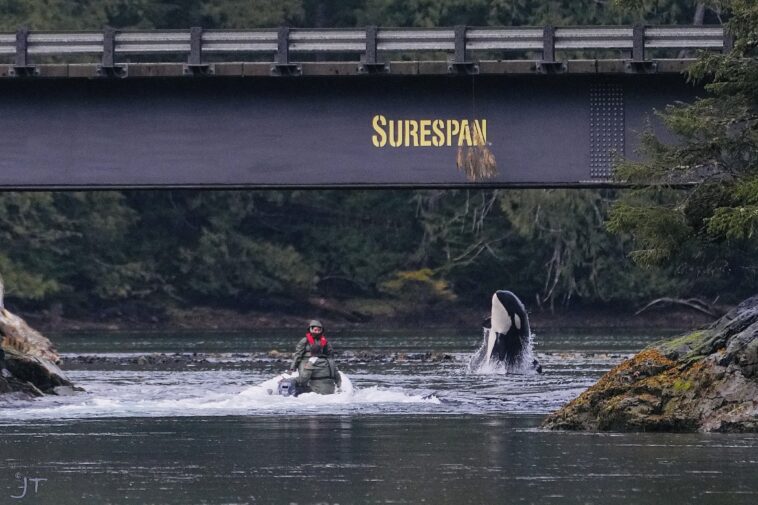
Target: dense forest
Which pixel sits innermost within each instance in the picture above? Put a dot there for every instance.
(93, 14)
(84, 251)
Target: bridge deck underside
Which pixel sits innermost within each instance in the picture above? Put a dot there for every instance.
(560, 130)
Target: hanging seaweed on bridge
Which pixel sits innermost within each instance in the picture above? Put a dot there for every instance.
(477, 160)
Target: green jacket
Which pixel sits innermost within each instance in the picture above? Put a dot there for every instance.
(319, 375)
(301, 351)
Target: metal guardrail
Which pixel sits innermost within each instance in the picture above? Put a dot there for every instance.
(371, 44)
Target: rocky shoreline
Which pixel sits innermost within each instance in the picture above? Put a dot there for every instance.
(704, 381)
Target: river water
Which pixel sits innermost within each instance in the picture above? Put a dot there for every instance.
(182, 419)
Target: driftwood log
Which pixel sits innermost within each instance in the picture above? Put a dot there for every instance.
(692, 303)
(28, 360)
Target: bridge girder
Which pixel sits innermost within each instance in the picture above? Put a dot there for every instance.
(324, 131)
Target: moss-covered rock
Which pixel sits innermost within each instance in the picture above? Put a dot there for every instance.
(703, 381)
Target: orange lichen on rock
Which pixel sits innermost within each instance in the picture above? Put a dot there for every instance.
(624, 374)
(710, 384)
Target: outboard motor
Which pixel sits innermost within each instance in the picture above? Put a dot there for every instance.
(288, 387)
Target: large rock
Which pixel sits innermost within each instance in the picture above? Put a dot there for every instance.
(28, 360)
(13, 387)
(703, 381)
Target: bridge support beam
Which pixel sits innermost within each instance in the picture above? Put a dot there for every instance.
(365, 131)
(21, 67)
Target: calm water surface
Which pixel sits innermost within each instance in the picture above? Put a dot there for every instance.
(404, 432)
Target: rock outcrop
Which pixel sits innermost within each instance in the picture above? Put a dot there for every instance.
(28, 361)
(703, 381)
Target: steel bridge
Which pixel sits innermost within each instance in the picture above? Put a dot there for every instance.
(373, 107)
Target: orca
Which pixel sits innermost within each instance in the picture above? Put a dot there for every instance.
(506, 333)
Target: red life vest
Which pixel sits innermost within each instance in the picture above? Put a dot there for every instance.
(312, 340)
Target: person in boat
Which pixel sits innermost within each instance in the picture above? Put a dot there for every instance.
(314, 335)
(319, 374)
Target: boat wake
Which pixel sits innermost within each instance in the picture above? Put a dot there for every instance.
(170, 396)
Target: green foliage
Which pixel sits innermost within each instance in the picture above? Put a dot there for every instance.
(659, 225)
(249, 248)
(94, 14)
(708, 227)
(418, 286)
(49, 14)
(54, 243)
(28, 225)
(580, 258)
(254, 248)
(465, 238)
(228, 265)
(736, 216)
(23, 283)
(253, 13)
(430, 13)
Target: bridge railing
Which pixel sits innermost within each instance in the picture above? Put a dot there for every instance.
(285, 46)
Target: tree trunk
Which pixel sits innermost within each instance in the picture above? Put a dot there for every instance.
(319, 15)
(697, 20)
(319, 21)
(699, 14)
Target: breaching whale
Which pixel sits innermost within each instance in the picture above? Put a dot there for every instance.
(506, 334)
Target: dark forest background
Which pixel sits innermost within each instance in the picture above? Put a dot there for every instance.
(271, 250)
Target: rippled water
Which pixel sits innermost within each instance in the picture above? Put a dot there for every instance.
(225, 371)
(407, 429)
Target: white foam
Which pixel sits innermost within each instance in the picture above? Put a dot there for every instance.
(489, 338)
(159, 397)
(481, 363)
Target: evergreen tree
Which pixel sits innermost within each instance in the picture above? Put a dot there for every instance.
(250, 248)
(701, 213)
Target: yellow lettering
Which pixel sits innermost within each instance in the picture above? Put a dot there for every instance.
(396, 133)
(480, 132)
(428, 132)
(424, 126)
(439, 135)
(380, 139)
(465, 134)
(411, 130)
(453, 129)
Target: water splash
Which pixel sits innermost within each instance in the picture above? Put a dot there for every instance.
(481, 364)
(167, 395)
(270, 386)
